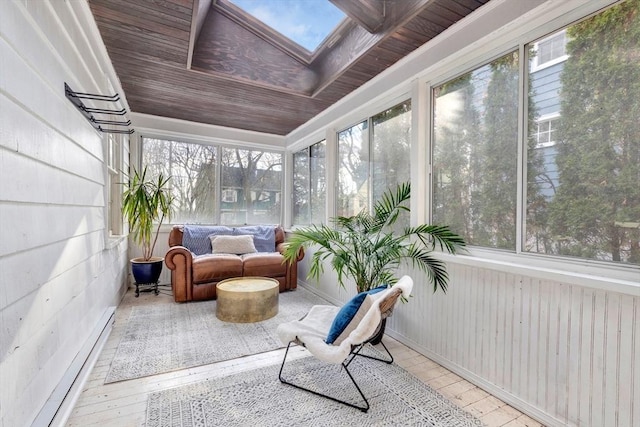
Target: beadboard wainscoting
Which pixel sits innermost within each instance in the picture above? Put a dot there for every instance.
(563, 353)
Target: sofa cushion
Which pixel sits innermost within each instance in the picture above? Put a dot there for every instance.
(196, 237)
(232, 245)
(264, 264)
(215, 267)
(264, 236)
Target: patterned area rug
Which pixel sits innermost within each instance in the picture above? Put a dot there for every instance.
(257, 398)
(168, 337)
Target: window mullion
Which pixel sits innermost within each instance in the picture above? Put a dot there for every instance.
(523, 114)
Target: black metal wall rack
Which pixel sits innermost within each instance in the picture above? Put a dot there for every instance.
(88, 112)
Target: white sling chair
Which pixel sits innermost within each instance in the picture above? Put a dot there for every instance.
(312, 330)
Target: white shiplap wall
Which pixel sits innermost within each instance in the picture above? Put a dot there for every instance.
(58, 275)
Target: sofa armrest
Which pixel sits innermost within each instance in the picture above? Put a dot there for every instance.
(180, 261)
(280, 248)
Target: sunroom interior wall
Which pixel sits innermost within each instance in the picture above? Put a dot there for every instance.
(558, 340)
(59, 275)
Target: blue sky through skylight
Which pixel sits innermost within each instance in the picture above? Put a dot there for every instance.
(306, 22)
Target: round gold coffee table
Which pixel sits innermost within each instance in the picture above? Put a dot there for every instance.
(247, 299)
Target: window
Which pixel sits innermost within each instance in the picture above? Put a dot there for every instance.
(309, 184)
(549, 51)
(583, 197)
(298, 21)
(353, 169)
(545, 132)
(214, 184)
(257, 176)
(229, 196)
(475, 139)
(193, 171)
(115, 157)
(373, 155)
(391, 154)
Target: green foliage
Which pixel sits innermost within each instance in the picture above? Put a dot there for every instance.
(493, 195)
(365, 248)
(475, 171)
(146, 203)
(599, 149)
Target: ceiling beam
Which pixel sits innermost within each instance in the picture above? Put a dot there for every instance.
(369, 14)
(356, 43)
(200, 9)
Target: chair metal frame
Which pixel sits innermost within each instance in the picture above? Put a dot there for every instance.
(386, 308)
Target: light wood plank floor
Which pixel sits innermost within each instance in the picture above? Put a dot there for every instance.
(124, 403)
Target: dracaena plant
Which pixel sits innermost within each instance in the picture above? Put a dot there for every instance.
(368, 249)
(146, 203)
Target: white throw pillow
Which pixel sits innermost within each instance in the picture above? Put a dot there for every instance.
(232, 245)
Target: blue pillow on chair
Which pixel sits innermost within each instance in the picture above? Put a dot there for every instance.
(350, 316)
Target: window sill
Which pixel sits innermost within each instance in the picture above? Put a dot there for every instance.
(593, 274)
(113, 241)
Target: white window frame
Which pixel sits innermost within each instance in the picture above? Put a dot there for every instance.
(542, 119)
(535, 64)
(115, 178)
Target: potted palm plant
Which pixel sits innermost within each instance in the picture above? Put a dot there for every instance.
(146, 203)
(367, 249)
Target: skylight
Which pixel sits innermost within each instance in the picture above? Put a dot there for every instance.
(306, 22)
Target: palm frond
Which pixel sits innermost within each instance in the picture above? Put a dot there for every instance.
(364, 247)
(388, 207)
(437, 236)
(435, 268)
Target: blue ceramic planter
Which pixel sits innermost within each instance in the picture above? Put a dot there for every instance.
(146, 271)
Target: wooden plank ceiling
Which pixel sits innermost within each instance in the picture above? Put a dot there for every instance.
(206, 61)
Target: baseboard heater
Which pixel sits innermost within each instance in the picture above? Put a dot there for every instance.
(57, 409)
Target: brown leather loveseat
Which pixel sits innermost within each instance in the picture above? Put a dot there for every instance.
(195, 271)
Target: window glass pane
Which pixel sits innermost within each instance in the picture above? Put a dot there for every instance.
(583, 197)
(318, 186)
(115, 189)
(256, 178)
(301, 180)
(353, 170)
(249, 189)
(391, 156)
(474, 154)
(309, 185)
(193, 176)
(307, 23)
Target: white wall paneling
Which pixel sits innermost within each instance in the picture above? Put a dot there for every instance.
(564, 353)
(57, 278)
